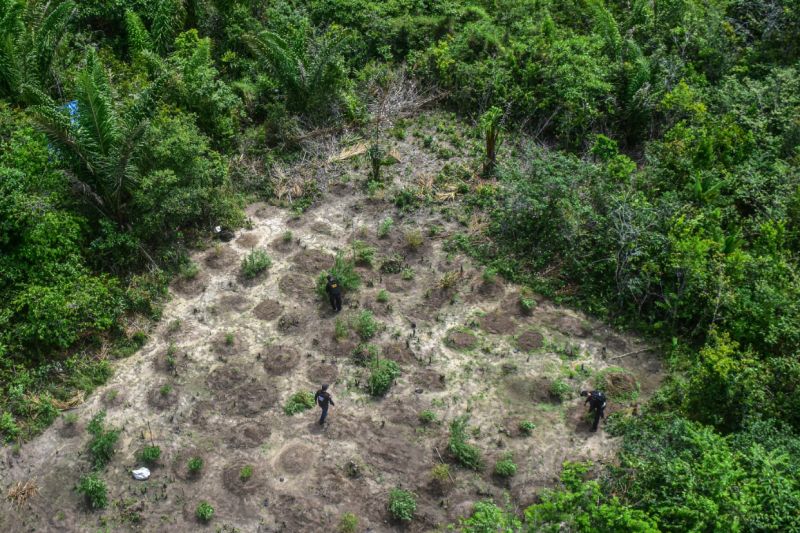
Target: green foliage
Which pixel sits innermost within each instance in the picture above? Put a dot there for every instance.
(414, 239)
(402, 504)
(560, 390)
(150, 454)
(487, 517)
(299, 402)
(441, 473)
(467, 455)
(382, 374)
(195, 465)
(348, 523)
(344, 271)
(427, 417)
(340, 329)
(103, 441)
(255, 263)
(245, 473)
(505, 467)
(364, 353)
(491, 122)
(385, 227)
(407, 273)
(526, 427)
(365, 325)
(383, 296)
(204, 511)
(94, 490)
(363, 254)
(8, 427)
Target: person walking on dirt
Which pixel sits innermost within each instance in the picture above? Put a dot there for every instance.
(597, 403)
(323, 399)
(334, 293)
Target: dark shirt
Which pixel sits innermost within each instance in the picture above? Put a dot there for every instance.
(596, 400)
(333, 287)
(323, 398)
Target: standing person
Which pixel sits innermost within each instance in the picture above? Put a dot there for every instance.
(334, 293)
(323, 399)
(597, 403)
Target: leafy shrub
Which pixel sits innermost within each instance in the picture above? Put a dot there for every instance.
(427, 416)
(299, 402)
(150, 454)
(366, 326)
(245, 473)
(8, 427)
(229, 339)
(195, 465)
(489, 275)
(70, 418)
(441, 473)
(383, 372)
(94, 490)
(385, 227)
(340, 329)
(189, 270)
(287, 237)
(487, 517)
(467, 455)
(363, 253)
(383, 296)
(505, 467)
(348, 523)
(414, 239)
(103, 441)
(560, 390)
(204, 511)
(402, 504)
(344, 271)
(165, 390)
(255, 263)
(527, 304)
(364, 353)
(526, 427)
(407, 273)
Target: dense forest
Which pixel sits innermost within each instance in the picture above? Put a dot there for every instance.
(642, 162)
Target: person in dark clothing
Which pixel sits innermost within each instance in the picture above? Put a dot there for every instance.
(597, 403)
(323, 399)
(334, 293)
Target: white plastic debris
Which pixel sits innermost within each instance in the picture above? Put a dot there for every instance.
(141, 473)
(217, 229)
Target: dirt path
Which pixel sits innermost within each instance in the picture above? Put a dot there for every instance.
(241, 348)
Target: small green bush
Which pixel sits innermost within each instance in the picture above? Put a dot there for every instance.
(94, 490)
(299, 402)
(560, 390)
(402, 504)
(101, 446)
(385, 227)
(441, 473)
(246, 473)
(229, 339)
(287, 237)
(366, 326)
(414, 239)
(165, 390)
(363, 254)
(340, 329)
(344, 271)
(526, 427)
(70, 418)
(8, 427)
(189, 270)
(195, 465)
(505, 467)
(255, 263)
(427, 416)
(383, 372)
(150, 454)
(408, 274)
(467, 455)
(204, 511)
(489, 275)
(348, 523)
(383, 296)
(364, 353)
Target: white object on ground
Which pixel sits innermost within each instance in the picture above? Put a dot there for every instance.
(141, 473)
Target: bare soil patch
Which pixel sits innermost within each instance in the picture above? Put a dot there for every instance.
(249, 434)
(312, 261)
(399, 352)
(67, 431)
(233, 482)
(250, 399)
(431, 303)
(191, 286)
(573, 326)
(233, 302)
(461, 340)
(498, 323)
(396, 284)
(280, 359)
(268, 310)
(180, 464)
(429, 379)
(297, 286)
(338, 348)
(322, 228)
(296, 458)
(220, 258)
(228, 343)
(524, 389)
(162, 396)
(225, 377)
(201, 412)
(322, 373)
(280, 244)
(291, 323)
(618, 383)
(248, 240)
(529, 341)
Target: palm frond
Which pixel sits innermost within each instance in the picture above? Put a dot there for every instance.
(168, 18)
(56, 125)
(96, 114)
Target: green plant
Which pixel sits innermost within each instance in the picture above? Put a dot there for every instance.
(103, 441)
(489, 275)
(189, 270)
(204, 511)
(150, 454)
(427, 416)
(385, 227)
(363, 253)
(94, 490)
(70, 418)
(340, 328)
(364, 353)
(255, 263)
(348, 523)
(287, 237)
(560, 390)
(527, 304)
(491, 122)
(383, 372)
(441, 473)
(487, 517)
(467, 455)
(299, 402)
(229, 339)
(383, 296)
(414, 238)
(407, 273)
(526, 427)
(245, 473)
(165, 390)
(402, 504)
(505, 467)
(344, 271)
(366, 326)
(195, 465)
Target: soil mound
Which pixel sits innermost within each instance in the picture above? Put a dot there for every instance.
(322, 373)
(232, 302)
(296, 286)
(296, 458)
(234, 477)
(162, 396)
(219, 258)
(498, 323)
(461, 340)
(268, 310)
(279, 359)
(248, 434)
(225, 377)
(529, 341)
(248, 240)
(312, 261)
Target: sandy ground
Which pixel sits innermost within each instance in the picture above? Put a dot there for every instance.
(242, 347)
